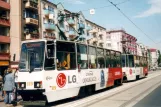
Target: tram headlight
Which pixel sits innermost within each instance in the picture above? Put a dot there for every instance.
(22, 85)
(38, 84)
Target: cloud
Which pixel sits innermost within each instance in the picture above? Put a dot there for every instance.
(74, 1)
(154, 9)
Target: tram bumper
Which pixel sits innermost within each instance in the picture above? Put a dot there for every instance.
(32, 97)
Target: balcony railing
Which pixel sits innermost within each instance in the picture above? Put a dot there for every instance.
(31, 36)
(72, 34)
(50, 26)
(31, 21)
(4, 5)
(4, 55)
(31, 4)
(100, 41)
(4, 22)
(82, 26)
(95, 40)
(94, 31)
(4, 39)
(71, 21)
(47, 12)
(88, 28)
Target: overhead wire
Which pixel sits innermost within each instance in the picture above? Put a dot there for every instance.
(131, 21)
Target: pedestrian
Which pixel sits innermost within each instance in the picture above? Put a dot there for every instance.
(9, 86)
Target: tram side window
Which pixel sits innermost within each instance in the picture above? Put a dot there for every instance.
(113, 59)
(131, 60)
(118, 59)
(92, 57)
(82, 56)
(50, 60)
(100, 58)
(123, 58)
(108, 59)
(66, 57)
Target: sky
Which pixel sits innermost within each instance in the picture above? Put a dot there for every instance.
(146, 14)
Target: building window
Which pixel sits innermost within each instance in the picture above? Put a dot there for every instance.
(108, 37)
(108, 44)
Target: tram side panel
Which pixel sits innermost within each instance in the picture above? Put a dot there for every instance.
(129, 73)
(61, 84)
(115, 76)
(145, 71)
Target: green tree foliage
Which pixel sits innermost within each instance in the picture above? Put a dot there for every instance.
(159, 58)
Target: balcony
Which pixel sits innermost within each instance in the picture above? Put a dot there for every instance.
(71, 21)
(50, 27)
(4, 56)
(31, 4)
(81, 26)
(4, 5)
(4, 39)
(72, 34)
(32, 36)
(95, 40)
(88, 28)
(31, 21)
(94, 31)
(4, 22)
(62, 29)
(100, 41)
(48, 12)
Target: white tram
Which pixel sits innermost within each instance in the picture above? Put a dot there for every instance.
(52, 70)
(134, 67)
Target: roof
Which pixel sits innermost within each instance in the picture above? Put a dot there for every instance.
(153, 50)
(95, 24)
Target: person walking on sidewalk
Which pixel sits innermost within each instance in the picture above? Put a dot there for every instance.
(9, 86)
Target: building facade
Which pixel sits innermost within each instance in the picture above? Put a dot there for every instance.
(4, 34)
(59, 23)
(121, 41)
(154, 57)
(113, 40)
(96, 34)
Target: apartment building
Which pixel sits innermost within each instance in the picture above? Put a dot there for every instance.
(96, 34)
(24, 17)
(154, 57)
(59, 23)
(113, 40)
(121, 41)
(4, 35)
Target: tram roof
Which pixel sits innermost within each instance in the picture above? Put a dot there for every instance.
(37, 40)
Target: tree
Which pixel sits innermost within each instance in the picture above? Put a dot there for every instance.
(159, 58)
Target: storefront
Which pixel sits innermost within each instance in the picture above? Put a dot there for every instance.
(3, 66)
(4, 62)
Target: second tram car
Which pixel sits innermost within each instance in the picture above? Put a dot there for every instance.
(134, 67)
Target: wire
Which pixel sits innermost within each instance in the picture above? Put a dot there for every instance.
(131, 21)
(107, 5)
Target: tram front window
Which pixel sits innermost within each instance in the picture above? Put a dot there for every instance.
(32, 56)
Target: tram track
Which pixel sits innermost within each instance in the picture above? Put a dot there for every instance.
(95, 100)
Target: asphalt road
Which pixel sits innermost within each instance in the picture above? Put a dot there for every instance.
(151, 100)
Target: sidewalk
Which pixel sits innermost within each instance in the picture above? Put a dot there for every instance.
(2, 104)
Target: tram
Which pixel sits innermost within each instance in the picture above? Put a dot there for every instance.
(52, 70)
(134, 67)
